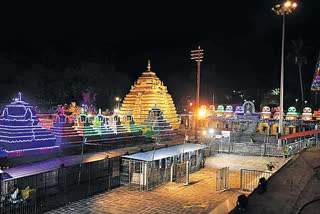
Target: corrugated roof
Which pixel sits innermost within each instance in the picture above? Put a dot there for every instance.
(49, 165)
(165, 152)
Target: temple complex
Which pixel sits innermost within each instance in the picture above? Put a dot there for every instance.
(147, 91)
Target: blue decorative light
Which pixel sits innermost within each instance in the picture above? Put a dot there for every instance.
(19, 132)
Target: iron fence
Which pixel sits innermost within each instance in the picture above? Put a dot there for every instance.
(249, 179)
(144, 175)
(222, 179)
(60, 186)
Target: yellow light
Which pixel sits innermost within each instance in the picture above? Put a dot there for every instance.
(294, 5)
(287, 4)
(202, 113)
(116, 110)
(204, 132)
(190, 104)
(117, 98)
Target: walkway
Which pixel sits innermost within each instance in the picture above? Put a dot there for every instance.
(198, 197)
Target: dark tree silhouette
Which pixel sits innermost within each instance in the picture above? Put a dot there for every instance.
(298, 58)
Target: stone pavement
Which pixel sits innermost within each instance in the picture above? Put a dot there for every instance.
(199, 196)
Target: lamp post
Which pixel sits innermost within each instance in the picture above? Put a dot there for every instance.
(197, 55)
(283, 9)
(118, 102)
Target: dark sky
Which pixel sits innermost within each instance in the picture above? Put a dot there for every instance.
(242, 40)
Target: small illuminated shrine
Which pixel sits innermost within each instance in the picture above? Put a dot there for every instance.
(229, 111)
(307, 113)
(145, 92)
(266, 113)
(155, 124)
(129, 122)
(100, 124)
(220, 111)
(83, 126)
(118, 127)
(276, 115)
(292, 114)
(63, 129)
(20, 133)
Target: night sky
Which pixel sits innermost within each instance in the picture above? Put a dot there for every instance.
(44, 47)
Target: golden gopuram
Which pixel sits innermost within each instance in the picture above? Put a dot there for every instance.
(147, 91)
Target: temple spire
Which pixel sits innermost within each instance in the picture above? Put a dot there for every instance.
(149, 65)
(19, 96)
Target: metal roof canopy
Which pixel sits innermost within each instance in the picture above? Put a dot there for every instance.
(165, 152)
(49, 165)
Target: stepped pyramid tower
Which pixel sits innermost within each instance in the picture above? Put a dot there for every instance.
(147, 91)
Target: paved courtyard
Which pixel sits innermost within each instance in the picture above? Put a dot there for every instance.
(198, 197)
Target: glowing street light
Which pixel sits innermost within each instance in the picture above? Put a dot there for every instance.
(211, 131)
(118, 102)
(283, 9)
(202, 113)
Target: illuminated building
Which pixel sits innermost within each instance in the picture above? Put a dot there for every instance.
(292, 114)
(276, 115)
(83, 126)
(115, 123)
(129, 122)
(155, 124)
(239, 110)
(20, 133)
(307, 114)
(318, 115)
(229, 111)
(220, 111)
(266, 113)
(63, 129)
(101, 125)
(145, 92)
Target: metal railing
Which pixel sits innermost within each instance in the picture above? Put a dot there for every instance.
(222, 179)
(61, 186)
(249, 179)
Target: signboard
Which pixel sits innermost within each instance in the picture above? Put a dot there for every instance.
(225, 133)
(248, 116)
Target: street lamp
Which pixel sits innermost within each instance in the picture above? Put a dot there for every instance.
(118, 102)
(283, 9)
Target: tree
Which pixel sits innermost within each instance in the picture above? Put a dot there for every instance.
(297, 57)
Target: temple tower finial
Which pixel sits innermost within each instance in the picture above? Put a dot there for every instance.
(19, 96)
(149, 65)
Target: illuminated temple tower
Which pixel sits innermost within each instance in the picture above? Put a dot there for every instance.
(20, 133)
(147, 91)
